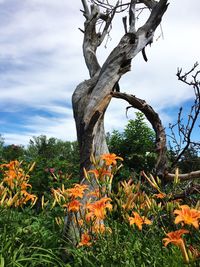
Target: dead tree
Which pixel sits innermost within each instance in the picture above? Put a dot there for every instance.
(181, 131)
(92, 97)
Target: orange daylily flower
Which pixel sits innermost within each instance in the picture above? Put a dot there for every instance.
(89, 216)
(77, 190)
(28, 196)
(110, 159)
(176, 239)
(10, 165)
(98, 208)
(14, 175)
(100, 172)
(85, 238)
(10, 181)
(95, 172)
(80, 222)
(188, 216)
(138, 220)
(160, 195)
(100, 228)
(24, 185)
(74, 205)
(94, 193)
(15, 180)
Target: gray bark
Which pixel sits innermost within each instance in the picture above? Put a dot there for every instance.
(153, 118)
(184, 176)
(92, 97)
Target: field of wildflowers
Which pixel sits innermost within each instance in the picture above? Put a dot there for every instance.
(141, 223)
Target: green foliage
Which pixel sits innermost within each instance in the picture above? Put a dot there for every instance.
(135, 144)
(29, 239)
(190, 161)
(56, 162)
(33, 238)
(55, 152)
(1, 146)
(128, 247)
(12, 152)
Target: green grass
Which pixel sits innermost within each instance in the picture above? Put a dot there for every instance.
(34, 240)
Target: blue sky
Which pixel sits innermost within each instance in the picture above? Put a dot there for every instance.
(41, 63)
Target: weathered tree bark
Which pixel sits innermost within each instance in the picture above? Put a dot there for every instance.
(184, 176)
(92, 97)
(154, 119)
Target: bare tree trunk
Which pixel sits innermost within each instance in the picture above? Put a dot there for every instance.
(92, 97)
(90, 128)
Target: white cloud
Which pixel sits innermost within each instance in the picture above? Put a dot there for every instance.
(42, 62)
(62, 128)
(18, 139)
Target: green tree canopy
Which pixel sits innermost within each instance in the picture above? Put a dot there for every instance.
(190, 161)
(1, 146)
(12, 152)
(57, 162)
(135, 144)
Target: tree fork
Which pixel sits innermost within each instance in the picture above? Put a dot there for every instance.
(92, 97)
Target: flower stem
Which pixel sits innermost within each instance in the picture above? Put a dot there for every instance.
(184, 252)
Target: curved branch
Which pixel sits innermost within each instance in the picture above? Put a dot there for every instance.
(149, 3)
(153, 118)
(184, 176)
